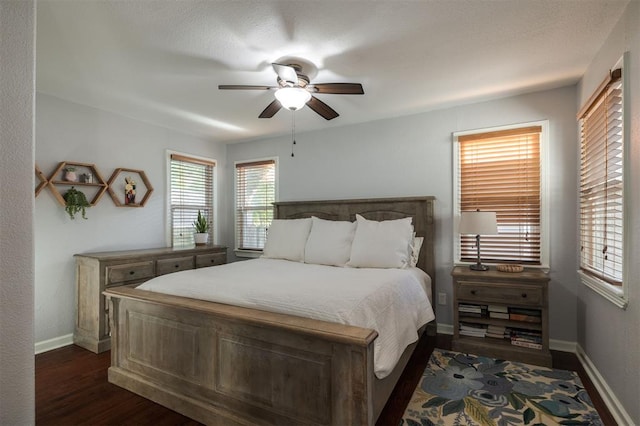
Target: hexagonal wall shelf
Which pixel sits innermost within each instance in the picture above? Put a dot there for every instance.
(121, 196)
(42, 180)
(87, 176)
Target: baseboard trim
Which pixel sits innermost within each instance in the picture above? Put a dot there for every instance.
(55, 343)
(611, 401)
(562, 346)
(445, 329)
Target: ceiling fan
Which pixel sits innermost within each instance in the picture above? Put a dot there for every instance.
(294, 91)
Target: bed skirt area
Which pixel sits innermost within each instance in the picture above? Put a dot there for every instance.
(243, 366)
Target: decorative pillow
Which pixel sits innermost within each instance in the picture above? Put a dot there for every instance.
(329, 242)
(381, 244)
(415, 247)
(286, 239)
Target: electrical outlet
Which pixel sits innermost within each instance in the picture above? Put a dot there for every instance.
(442, 298)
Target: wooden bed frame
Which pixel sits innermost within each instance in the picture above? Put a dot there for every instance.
(227, 365)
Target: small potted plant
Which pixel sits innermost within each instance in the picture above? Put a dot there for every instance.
(202, 230)
(70, 174)
(75, 202)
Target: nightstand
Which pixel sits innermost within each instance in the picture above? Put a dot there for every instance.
(503, 315)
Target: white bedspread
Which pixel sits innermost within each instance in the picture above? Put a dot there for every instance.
(393, 302)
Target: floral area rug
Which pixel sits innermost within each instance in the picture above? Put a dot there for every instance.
(463, 389)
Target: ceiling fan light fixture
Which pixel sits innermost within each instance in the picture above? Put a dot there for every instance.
(292, 98)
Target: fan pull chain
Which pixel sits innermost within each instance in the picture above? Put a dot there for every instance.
(293, 131)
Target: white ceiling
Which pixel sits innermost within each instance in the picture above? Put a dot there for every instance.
(161, 61)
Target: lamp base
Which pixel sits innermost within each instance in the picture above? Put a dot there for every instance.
(478, 267)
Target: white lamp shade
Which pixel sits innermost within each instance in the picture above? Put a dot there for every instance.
(478, 223)
(292, 98)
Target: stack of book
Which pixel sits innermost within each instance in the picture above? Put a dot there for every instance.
(474, 330)
(496, 331)
(470, 310)
(526, 339)
(526, 315)
(498, 311)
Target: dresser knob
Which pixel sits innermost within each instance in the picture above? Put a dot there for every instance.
(176, 266)
(524, 295)
(473, 292)
(132, 272)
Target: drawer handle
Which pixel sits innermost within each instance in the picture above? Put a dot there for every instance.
(524, 295)
(132, 272)
(176, 266)
(213, 261)
(473, 292)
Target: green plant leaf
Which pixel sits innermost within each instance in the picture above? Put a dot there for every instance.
(528, 416)
(453, 407)
(435, 402)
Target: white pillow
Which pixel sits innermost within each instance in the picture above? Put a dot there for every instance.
(286, 239)
(415, 250)
(381, 244)
(329, 242)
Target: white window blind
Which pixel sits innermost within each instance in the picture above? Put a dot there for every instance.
(601, 182)
(255, 195)
(191, 191)
(500, 171)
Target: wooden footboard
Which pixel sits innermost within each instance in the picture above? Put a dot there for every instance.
(238, 365)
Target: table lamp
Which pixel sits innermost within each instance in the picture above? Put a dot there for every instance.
(477, 222)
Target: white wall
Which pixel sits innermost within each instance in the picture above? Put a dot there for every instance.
(413, 156)
(610, 336)
(72, 132)
(17, 73)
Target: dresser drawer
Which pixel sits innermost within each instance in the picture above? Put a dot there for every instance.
(519, 294)
(213, 259)
(175, 264)
(119, 274)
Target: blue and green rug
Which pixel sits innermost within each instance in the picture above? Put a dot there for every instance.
(463, 389)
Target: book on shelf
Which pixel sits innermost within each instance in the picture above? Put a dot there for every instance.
(499, 315)
(464, 307)
(516, 332)
(526, 339)
(498, 308)
(525, 318)
(475, 330)
(526, 315)
(525, 311)
(496, 331)
(524, 344)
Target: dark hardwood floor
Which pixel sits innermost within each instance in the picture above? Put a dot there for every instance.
(72, 389)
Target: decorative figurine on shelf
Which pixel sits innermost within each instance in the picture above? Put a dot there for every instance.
(70, 174)
(129, 191)
(86, 178)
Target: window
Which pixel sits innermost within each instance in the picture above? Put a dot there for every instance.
(190, 191)
(255, 195)
(501, 170)
(601, 188)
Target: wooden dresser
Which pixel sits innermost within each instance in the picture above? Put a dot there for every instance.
(97, 271)
(492, 300)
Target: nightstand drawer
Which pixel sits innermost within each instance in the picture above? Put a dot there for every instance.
(167, 266)
(119, 274)
(214, 259)
(519, 294)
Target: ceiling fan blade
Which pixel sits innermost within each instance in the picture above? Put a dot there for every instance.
(321, 108)
(241, 87)
(271, 109)
(338, 88)
(286, 73)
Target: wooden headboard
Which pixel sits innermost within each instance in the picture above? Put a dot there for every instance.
(419, 208)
